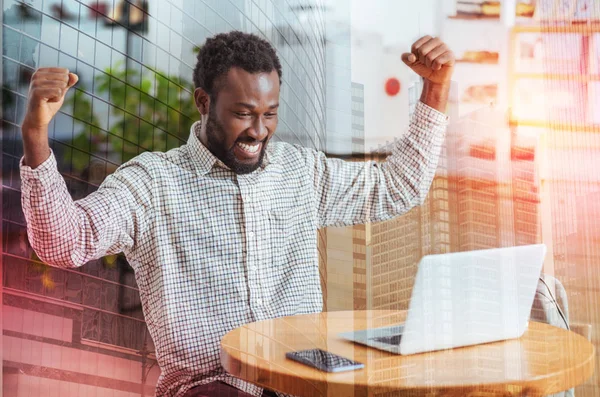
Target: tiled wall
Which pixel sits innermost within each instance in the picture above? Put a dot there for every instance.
(44, 325)
(42, 350)
(26, 386)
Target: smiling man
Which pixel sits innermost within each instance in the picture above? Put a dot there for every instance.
(233, 133)
(222, 231)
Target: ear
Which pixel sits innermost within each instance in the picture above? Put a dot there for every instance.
(202, 100)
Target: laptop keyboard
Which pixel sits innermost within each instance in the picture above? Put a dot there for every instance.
(388, 340)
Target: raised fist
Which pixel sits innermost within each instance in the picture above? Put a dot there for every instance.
(431, 59)
(47, 92)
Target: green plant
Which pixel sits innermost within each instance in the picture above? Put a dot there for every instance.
(156, 113)
(149, 112)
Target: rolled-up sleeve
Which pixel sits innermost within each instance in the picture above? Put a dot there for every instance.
(349, 193)
(68, 233)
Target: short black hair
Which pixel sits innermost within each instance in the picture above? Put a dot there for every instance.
(234, 49)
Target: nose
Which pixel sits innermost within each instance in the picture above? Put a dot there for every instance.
(259, 129)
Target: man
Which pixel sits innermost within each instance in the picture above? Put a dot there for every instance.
(222, 231)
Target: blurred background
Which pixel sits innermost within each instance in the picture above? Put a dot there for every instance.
(519, 166)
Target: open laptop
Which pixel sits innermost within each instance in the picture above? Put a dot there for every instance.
(463, 299)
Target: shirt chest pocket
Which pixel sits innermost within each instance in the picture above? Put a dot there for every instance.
(193, 232)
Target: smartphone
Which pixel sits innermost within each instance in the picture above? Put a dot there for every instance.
(323, 360)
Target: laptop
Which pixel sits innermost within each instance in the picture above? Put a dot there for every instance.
(463, 299)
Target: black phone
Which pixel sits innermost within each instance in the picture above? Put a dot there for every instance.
(324, 360)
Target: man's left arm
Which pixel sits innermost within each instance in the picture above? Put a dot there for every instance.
(352, 192)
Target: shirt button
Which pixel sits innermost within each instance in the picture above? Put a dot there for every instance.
(254, 268)
(259, 301)
(251, 234)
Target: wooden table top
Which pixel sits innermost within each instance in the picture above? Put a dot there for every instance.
(544, 361)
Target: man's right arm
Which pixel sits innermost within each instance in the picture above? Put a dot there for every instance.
(64, 232)
(47, 92)
(67, 233)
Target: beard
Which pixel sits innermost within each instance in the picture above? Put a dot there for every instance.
(215, 136)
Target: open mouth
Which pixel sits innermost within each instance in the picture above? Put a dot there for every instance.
(248, 150)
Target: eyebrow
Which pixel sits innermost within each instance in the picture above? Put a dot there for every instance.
(249, 106)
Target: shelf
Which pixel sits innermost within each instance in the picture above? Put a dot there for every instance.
(581, 78)
(593, 128)
(559, 27)
(477, 62)
(584, 86)
(471, 17)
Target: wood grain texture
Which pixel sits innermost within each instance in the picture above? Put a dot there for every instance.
(544, 361)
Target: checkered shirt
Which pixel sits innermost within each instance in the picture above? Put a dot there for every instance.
(213, 250)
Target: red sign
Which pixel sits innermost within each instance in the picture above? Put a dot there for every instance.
(392, 86)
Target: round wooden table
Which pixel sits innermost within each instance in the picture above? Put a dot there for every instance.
(544, 361)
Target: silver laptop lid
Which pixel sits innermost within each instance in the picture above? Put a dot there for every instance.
(473, 297)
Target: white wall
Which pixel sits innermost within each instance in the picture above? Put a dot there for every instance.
(399, 22)
(338, 77)
(382, 31)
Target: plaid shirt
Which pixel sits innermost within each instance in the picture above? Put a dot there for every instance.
(213, 250)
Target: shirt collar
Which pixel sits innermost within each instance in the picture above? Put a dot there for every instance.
(203, 159)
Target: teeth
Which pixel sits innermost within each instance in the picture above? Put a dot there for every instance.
(249, 148)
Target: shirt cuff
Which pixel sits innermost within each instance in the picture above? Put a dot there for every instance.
(42, 176)
(430, 114)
